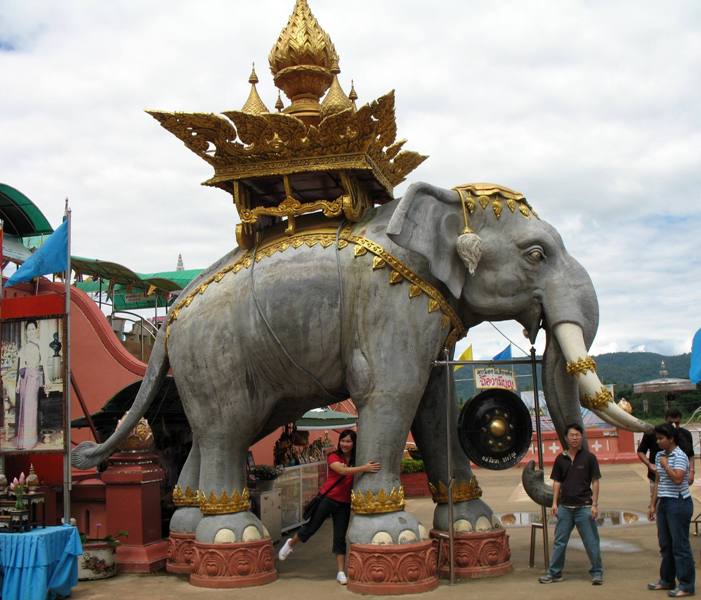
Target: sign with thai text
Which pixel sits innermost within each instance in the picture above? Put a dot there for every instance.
(492, 377)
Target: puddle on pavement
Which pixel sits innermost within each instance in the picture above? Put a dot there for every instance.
(607, 545)
(607, 518)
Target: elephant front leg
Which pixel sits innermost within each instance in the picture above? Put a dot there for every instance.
(389, 549)
(481, 547)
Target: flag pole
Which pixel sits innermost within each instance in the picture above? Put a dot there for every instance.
(67, 480)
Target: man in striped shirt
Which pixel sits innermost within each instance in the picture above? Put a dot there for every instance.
(672, 506)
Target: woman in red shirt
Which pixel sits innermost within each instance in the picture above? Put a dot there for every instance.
(336, 501)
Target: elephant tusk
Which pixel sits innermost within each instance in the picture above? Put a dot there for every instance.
(593, 395)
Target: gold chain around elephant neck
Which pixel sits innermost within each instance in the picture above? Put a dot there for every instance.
(325, 237)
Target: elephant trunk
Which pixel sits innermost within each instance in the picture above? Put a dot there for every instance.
(569, 374)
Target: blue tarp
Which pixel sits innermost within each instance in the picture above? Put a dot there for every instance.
(39, 564)
(695, 367)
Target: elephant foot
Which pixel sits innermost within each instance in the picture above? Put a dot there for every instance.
(390, 553)
(230, 528)
(232, 550)
(185, 519)
(473, 515)
(388, 528)
(476, 554)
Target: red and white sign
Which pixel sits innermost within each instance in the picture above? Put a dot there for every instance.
(492, 377)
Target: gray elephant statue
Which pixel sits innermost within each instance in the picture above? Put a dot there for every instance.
(363, 310)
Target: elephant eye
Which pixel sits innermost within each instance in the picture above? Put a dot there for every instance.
(535, 255)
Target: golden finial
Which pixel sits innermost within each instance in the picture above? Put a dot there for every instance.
(254, 105)
(336, 99)
(353, 96)
(301, 62)
(278, 104)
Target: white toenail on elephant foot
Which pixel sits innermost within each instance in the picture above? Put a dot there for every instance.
(496, 523)
(225, 536)
(406, 536)
(266, 533)
(251, 533)
(423, 532)
(462, 526)
(381, 538)
(483, 524)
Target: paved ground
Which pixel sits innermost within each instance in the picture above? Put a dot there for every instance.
(630, 555)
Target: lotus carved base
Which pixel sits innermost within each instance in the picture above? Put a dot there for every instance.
(477, 554)
(181, 553)
(235, 565)
(392, 569)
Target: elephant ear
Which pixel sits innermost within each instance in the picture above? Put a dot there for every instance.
(428, 221)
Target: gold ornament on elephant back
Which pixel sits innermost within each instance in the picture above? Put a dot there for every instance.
(189, 497)
(374, 503)
(463, 490)
(310, 156)
(224, 503)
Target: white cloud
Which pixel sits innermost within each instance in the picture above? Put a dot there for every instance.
(589, 108)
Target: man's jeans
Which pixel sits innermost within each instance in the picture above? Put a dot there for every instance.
(673, 519)
(567, 519)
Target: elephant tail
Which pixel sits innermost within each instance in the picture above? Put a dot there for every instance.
(89, 454)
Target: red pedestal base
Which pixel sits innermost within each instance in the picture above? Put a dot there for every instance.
(478, 554)
(392, 569)
(236, 565)
(181, 553)
(142, 558)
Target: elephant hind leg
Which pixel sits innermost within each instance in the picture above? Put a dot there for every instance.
(226, 515)
(186, 517)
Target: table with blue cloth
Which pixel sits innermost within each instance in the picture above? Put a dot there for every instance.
(39, 564)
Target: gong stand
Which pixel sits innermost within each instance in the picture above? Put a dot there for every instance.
(451, 429)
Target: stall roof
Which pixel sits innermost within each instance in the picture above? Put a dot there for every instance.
(165, 281)
(21, 217)
(320, 418)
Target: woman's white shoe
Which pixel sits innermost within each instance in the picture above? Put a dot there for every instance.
(341, 578)
(286, 550)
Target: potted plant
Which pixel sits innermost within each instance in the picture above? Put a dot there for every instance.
(413, 478)
(265, 476)
(98, 561)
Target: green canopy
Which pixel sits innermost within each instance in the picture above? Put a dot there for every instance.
(325, 418)
(21, 217)
(131, 290)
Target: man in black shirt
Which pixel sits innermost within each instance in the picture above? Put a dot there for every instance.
(575, 478)
(648, 448)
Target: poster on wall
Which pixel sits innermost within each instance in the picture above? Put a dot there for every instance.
(32, 416)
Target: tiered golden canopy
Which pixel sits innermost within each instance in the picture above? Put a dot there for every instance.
(311, 155)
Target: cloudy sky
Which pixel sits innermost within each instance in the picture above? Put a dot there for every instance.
(590, 108)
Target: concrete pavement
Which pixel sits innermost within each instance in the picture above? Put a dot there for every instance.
(630, 554)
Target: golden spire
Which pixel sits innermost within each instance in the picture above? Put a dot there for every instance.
(278, 103)
(301, 63)
(336, 99)
(254, 105)
(353, 96)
